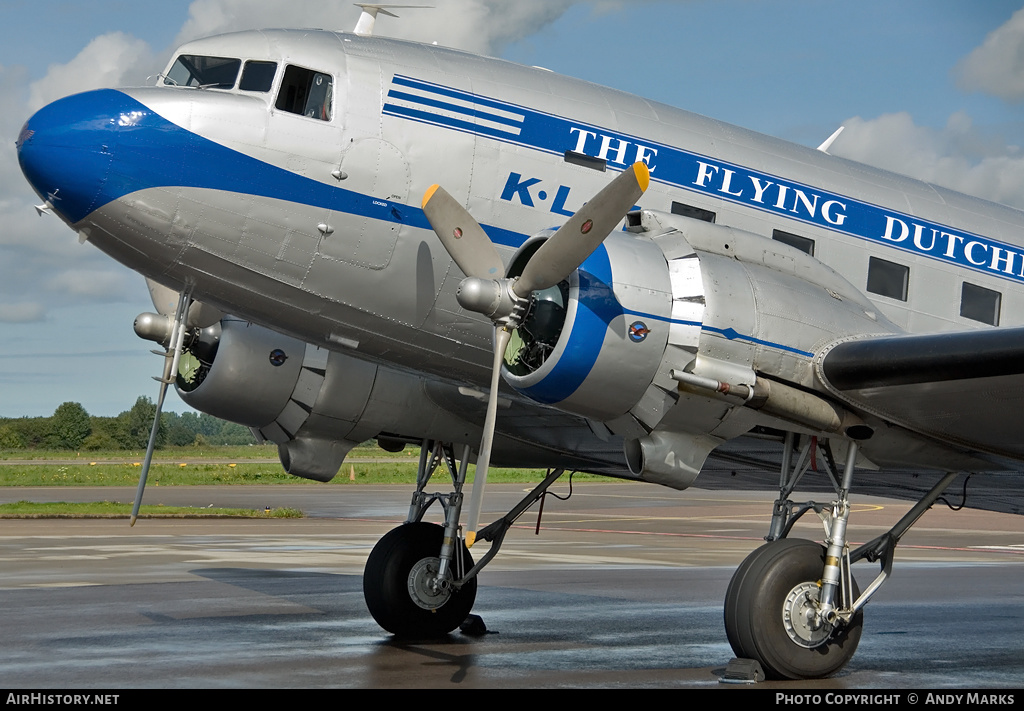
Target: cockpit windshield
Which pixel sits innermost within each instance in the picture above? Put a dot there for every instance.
(204, 72)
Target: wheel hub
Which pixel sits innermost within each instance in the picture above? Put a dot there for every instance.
(425, 590)
(801, 618)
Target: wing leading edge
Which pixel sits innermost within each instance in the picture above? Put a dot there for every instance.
(964, 388)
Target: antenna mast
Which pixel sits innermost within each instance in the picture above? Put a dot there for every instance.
(369, 16)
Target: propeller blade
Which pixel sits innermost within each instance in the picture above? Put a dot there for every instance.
(170, 369)
(483, 460)
(461, 235)
(576, 240)
(164, 298)
(149, 452)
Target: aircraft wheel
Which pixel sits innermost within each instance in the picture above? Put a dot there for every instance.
(768, 613)
(398, 584)
(732, 609)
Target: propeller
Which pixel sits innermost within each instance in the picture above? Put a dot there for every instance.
(505, 300)
(164, 298)
(176, 324)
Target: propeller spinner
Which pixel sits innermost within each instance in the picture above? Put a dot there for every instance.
(505, 300)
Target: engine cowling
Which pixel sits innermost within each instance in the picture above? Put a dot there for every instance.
(593, 344)
(317, 404)
(307, 400)
(681, 297)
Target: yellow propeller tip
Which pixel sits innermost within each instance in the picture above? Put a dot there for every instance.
(429, 194)
(470, 539)
(643, 174)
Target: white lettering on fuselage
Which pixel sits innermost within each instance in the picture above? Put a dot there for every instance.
(751, 188)
(679, 168)
(612, 148)
(958, 248)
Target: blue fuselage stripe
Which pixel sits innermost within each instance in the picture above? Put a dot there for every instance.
(764, 192)
(427, 117)
(728, 333)
(441, 90)
(445, 106)
(81, 137)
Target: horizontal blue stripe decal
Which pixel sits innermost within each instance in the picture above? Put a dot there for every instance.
(737, 184)
(400, 95)
(447, 121)
(96, 147)
(729, 333)
(441, 90)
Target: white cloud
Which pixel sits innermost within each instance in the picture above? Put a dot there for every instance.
(483, 26)
(113, 59)
(13, 92)
(24, 312)
(103, 284)
(959, 156)
(43, 262)
(35, 249)
(997, 66)
(43, 268)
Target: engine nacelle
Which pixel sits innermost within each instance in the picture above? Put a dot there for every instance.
(316, 405)
(637, 333)
(593, 344)
(306, 399)
(268, 362)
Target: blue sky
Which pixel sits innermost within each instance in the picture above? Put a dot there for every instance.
(929, 88)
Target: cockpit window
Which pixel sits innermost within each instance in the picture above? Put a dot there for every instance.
(306, 92)
(204, 72)
(258, 76)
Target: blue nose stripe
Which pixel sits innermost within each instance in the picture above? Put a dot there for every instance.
(90, 149)
(65, 151)
(99, 146)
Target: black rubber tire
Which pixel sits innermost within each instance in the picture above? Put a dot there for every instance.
(754, 613)
(732, 607)
(386, 579)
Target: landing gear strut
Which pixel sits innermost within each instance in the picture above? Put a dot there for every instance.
(420, 580)
(793, 604)
(414, 582)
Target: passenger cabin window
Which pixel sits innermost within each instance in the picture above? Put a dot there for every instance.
(804, 244)
(697, 213)
(306, 92)
(203, 72)
(980, 304)
(888, 278)
(258, 76)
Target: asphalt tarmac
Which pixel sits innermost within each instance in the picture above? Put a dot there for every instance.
(623, 588)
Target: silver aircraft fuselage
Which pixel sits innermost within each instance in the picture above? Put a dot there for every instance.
(308, 220)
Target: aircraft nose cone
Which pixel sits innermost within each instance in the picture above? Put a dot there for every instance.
(65, 151)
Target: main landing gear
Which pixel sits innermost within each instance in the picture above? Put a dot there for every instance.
(405, 589)
(420, 580)
(793, 604)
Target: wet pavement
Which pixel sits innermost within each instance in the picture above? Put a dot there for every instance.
(623, 588)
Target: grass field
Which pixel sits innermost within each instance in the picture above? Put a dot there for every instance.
(192, 466)
(177, 466)
(239, 453)
(114, 509)
(184, 466)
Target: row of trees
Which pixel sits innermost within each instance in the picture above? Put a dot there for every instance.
(71, 427)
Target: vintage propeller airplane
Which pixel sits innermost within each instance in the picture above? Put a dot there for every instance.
(376, 217)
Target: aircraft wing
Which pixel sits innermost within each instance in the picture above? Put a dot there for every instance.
(964, 388)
